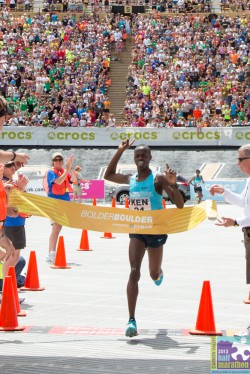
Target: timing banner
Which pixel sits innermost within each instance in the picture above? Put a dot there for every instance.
(115, 220)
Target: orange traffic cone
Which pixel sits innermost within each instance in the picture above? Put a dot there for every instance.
(127, 203)
(113, 202)
(8, 314)
(107, 235)
(94, 201)
(205, 324)
(32, 279)
(12, 274)
(164, 203)
(60, 260)
(247, 301)
(84, 243)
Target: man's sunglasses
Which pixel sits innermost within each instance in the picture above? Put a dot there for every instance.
(240, 159)
(58, 159)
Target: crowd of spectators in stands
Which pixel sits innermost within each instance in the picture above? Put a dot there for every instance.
(159, 5)
(55, 73)
(235, 6)
(186, 70)
(189, 71)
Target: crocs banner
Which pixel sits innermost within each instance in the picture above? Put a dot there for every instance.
(115, 220)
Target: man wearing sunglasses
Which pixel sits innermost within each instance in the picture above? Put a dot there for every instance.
(241, 200)
(58, 180)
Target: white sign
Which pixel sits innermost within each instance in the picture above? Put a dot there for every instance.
(234, 185)
(79, 137)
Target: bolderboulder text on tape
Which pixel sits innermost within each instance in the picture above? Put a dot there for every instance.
(117, 220)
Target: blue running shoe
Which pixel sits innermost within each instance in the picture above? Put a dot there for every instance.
(159, 280)
(131, 329)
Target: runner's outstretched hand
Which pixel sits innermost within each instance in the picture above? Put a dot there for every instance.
(126, 144)
(170, 175)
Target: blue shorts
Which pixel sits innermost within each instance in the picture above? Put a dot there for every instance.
(197, 189)
(150, 241)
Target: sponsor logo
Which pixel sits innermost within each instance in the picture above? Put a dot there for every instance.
(51, 135)
(176, 135)
(194, 135)
(12, 135)
(77, 136)
(144, 135)
(240, 135)
(114, 136)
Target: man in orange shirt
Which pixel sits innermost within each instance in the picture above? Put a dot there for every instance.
(233, 57)
(106, 109)
(197, 113)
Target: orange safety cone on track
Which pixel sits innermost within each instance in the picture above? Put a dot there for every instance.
(113, 204)
(12, 274)
(94, 201)
(127, 203)
(164, 203)
(60, 260)
(32, 279)
(84, 243)
(247, 301)
(205, 324)
(8, 314)
(107, 235)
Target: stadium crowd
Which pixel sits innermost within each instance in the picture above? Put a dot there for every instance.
(189, 71)
(54, 72)
(186, 70)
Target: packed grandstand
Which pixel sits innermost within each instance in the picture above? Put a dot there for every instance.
(185, 70)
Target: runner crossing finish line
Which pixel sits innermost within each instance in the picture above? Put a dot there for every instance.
(116, 220)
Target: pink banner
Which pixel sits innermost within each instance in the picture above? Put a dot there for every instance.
(92, 188)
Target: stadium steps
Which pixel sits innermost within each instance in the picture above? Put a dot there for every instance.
(118, 75)
(210, 170)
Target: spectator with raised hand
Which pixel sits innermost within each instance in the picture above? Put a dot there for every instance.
(58, 187)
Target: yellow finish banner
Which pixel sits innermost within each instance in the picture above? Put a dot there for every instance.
(115, 220)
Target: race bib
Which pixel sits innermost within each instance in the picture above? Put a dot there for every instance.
(140, 203)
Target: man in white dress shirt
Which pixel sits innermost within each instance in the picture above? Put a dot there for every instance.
(242, 200)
